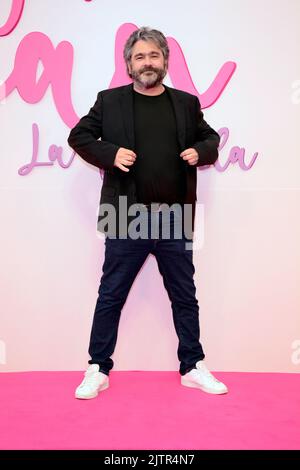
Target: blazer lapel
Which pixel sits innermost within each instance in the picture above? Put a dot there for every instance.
(179, 110)
(126, 102)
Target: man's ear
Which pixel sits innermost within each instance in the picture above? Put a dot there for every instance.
(128, 66)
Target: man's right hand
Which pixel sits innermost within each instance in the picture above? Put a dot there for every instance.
(124, 157)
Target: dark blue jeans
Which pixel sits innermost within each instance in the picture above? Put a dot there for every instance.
(123, 260)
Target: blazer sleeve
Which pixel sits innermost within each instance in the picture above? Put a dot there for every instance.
(84, 137)
(207, 139)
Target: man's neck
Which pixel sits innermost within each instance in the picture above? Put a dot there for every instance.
(157, 90)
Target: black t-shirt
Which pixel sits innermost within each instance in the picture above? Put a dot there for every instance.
(158, 170)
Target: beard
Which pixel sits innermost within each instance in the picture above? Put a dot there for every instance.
(146, 79)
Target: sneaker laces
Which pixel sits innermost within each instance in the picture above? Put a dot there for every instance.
(90, 379)
(202, 368)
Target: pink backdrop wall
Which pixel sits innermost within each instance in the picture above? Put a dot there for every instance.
(242, 60)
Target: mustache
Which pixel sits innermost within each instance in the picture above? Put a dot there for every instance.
(149, 69)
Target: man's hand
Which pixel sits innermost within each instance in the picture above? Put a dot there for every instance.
(190, 155)
(124, 157)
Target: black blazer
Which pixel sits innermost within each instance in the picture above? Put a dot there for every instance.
(111, 119)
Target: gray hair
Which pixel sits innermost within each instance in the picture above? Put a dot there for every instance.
(146, 34)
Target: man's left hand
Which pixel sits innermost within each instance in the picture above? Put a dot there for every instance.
(190, 155)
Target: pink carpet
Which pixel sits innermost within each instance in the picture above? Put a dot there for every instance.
(149, 410)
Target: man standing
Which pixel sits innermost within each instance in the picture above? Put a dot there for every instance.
(152, 139)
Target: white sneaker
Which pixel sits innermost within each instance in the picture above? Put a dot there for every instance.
(203, 379)
(93, 383)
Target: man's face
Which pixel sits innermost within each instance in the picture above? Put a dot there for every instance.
(147, 65)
